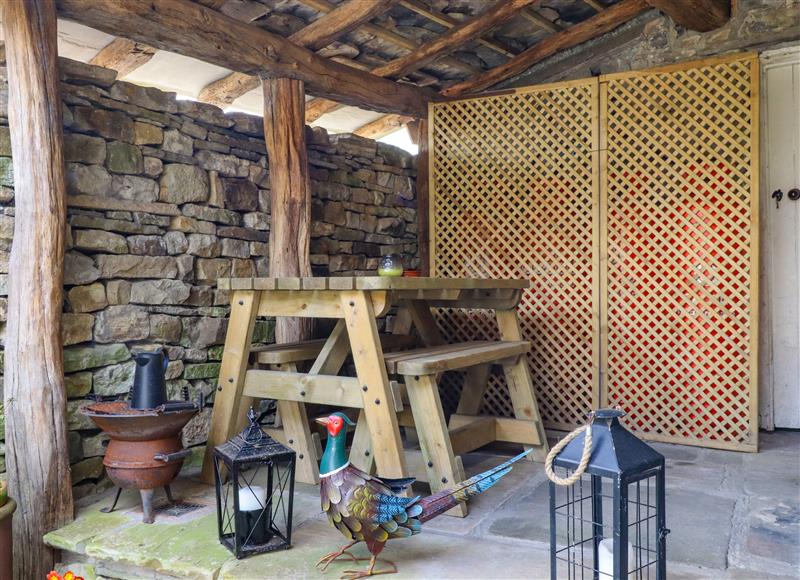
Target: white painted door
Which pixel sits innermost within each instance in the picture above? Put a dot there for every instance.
(780, 295)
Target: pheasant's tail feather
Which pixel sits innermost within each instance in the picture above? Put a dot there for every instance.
(445, 499)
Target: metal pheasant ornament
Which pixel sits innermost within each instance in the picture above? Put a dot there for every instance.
(367, 509)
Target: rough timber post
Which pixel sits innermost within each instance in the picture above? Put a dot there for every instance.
(290, 226)
(35, 400)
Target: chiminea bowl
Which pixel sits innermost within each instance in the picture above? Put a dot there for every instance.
(145, 451)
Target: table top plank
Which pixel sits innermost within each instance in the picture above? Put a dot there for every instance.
(370, 283)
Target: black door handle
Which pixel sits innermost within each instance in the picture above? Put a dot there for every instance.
(794, 194)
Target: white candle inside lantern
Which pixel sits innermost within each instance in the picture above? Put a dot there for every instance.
(252, 498)
(605, 558)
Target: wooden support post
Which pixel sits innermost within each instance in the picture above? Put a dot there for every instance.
(290, 225)
(35, 398)
(419, 135)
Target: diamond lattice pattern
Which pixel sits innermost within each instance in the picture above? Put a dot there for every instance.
(514, 197)
(679, 226)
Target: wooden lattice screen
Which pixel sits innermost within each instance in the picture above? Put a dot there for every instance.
(514, 196)
(681, 236)
(651, 174)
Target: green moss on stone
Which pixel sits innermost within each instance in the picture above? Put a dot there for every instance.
(88, 357)
(201, 371)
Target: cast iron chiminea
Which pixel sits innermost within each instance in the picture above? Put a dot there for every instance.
(149, 388)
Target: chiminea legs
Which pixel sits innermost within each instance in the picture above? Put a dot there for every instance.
(108, 510)
(147, 505)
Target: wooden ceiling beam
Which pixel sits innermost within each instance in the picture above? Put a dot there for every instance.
(599, 24)
(448, 22)
(193, 30)
(464, 32)
(383, 126)
(123, 56)
(699, 15)
(391, 36)
(315, 36)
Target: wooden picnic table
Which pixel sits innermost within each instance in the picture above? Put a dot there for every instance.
(357, 303)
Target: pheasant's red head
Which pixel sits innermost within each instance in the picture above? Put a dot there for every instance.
(335, 424)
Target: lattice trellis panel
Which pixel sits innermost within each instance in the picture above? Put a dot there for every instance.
(680, 231)
(514, 194)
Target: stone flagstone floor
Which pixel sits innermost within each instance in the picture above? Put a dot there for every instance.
(732, 516)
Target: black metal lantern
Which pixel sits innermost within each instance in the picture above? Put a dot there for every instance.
(254, 477)
(610, 522)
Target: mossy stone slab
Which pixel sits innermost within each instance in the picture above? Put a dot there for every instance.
(88, 525)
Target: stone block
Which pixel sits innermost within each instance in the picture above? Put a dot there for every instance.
(147, 245)
(121, 323)
(212, 269)
(201, 371)
(124, 158)
(78, 384)
(256, 220)
(95, 446)
(80, 73)
(87, 179)
(76, 328)
(118, 291)
(202, 332)
(177, 142)
(334, 213)
(203, 245)
(91, 468)
(137, 266)
(108, 124)
(176, 243)
(242, 233)
(6, 227)
(147, 134)
(240, 194)
(242, 268)
(185, 268)
(391, 226)
(226, 165)
(89, 357)
(6, 172)
(134, 188)
(159, 292)
(99, 241)
(183, 183)
(74, 450)
(194, 130)
(115, 379)
(191, 225)
(77, 420)
(79, 269)
(83, 149)
(212, 214)
(153, 166)
(146, 97)
(235, 248)
(87, 298)
(5, 142)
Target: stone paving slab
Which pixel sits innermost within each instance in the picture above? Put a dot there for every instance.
(741, 525)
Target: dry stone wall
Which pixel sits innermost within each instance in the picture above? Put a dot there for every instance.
(165, 197)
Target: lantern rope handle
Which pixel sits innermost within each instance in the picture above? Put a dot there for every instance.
(584, 462)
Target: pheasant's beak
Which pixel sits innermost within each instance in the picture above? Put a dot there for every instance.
(321, 421)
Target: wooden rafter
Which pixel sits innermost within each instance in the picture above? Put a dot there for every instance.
(339, 21)
(699, 15)
(448, 22)
(123, 56)
(383, 126)
(464, 32)
(315, 36)
(391, 36)
(192, 30)
(596, 5)
(599, 24)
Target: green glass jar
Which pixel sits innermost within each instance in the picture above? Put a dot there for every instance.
(390, 265)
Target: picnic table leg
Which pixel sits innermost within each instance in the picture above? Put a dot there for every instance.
(229, 404)
(298, 434)
(387, 447)
(520, 383)
(434, 438)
